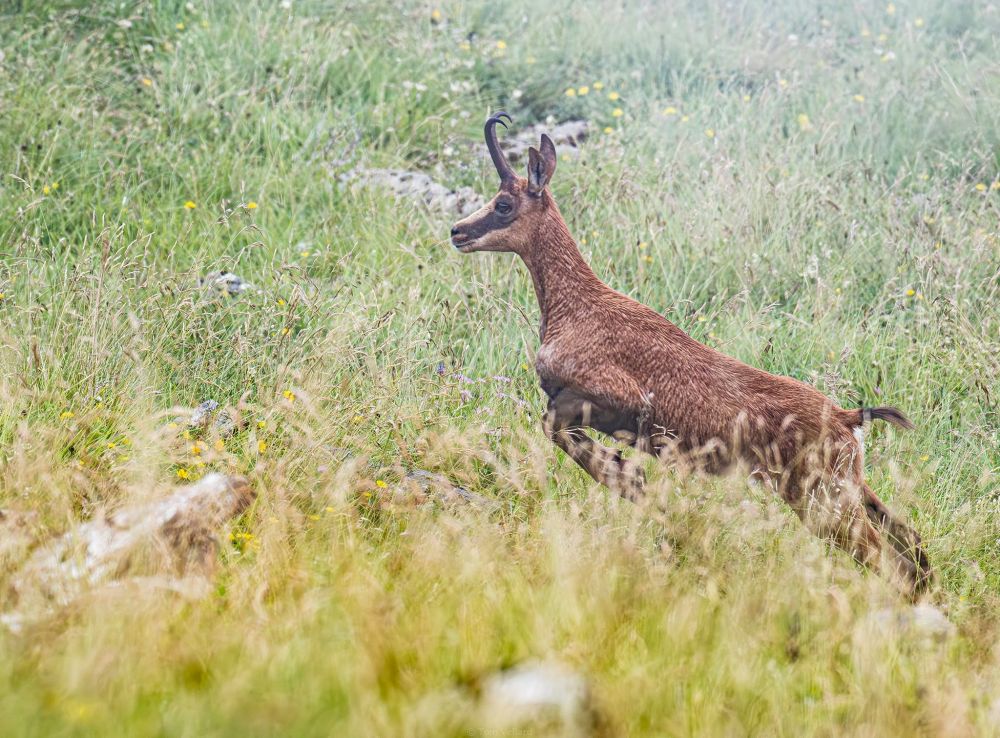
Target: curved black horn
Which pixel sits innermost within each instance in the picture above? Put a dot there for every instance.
(499, 160)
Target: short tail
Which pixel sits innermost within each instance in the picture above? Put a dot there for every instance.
(865, 415)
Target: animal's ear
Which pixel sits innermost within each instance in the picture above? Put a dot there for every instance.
(541, 165)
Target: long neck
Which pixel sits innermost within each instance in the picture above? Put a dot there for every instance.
(563, 281)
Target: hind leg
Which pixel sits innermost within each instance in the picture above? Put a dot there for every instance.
(906, 550)
(856, 521)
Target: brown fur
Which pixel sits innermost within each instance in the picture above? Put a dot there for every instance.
(614, 365)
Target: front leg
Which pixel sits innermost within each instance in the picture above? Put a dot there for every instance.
(568, 414)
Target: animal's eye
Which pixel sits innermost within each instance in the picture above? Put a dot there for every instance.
(503, 208)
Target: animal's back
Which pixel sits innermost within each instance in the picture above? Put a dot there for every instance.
(705, 390)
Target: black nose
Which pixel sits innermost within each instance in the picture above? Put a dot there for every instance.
(454, 231)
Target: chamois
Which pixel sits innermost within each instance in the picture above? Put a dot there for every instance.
(611, 364)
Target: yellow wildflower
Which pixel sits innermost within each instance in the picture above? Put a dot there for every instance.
(288, 395)
(859, 98)
(196, 449)
(980, 187)
(262, 424)
(251, 205)
(995, 185)
(643, 244)
(746, 98)
(583, 90)
(46, 190)
(465, 46)
(782, 83)
(182, 473)
(710, 133)
(608, 129)
(179, 26)
(804, 123)
(261, 446)
(612, 96)
(220, 445)
(598, 86)
(865, 33)
(670, 110)
(358, 418)
(436, 15)
(501, 44)
(147, 81)
(925, 457)
(189, 205)
(314, 517)
(890, 9)
(911, 292)
(380, 484)
(66, 415)
(570, 92)
(617, 113)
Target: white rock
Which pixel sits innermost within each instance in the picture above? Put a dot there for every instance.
(537, 694)
(916, 622)
(176, 533)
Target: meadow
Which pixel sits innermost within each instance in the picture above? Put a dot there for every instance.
(812, 188)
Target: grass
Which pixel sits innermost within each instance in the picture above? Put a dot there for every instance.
(811, 189)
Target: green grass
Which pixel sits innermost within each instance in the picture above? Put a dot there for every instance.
(851, 249)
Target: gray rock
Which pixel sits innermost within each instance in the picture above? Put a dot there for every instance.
(203, 413)
(417, 187)
(225, 426)
(431, 482)
(224, 283)
(567, 137)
